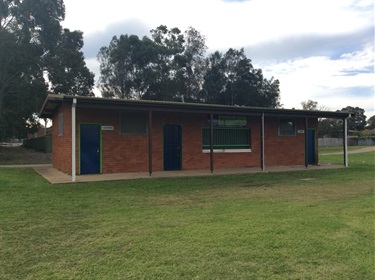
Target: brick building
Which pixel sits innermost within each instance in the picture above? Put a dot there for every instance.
(117, 136)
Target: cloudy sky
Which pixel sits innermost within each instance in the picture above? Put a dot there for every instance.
(321, 50)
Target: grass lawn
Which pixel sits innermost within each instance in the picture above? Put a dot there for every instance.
(292, 225)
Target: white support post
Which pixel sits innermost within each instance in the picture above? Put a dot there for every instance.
(346, 142)
(45, 126)
(262, 145)
(74, 104)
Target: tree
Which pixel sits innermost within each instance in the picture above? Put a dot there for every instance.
(22, 86)
(191, 65)
(213, 90)
(171, 65)
(32, 44)
(167, 84)
(230, 79)
(330, 128)
(27, 30)
(241, 78)
(166, 66)
(334, 128)
(310, 105)
(126, 67)
(371, 122)
(358, 119)
(67, 69)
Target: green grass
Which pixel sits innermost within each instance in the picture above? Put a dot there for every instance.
(291, 225)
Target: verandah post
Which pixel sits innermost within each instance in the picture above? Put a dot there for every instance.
(262, 143)
(74, 104)
(345, 141)
(212, 143)
(306, 143)
(150, 142)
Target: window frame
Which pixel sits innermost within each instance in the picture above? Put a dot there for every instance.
(223, 127)
(60, 125)
(136, 115)
(283, 131)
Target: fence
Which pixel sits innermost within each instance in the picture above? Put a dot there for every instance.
(352, 141)
(42, 144)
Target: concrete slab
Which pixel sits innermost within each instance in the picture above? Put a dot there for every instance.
(57, 177)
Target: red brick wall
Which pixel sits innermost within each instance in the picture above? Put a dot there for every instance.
(286, 150)
(192, 155)
(129, 153)
(248, 159)
(62, 145)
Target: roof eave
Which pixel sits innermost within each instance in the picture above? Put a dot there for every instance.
(83, 101)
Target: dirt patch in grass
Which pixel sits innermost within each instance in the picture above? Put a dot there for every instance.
(351, 150)
(22, 155)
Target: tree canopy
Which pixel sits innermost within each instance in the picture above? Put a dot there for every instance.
(310, 105)
(333, 128)
(33, 46)
(371, 122)
(172, 65)
(357, 121)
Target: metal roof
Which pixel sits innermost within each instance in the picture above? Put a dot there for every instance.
(54, 100)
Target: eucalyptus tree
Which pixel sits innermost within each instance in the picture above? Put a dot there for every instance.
(172, 65)
(357, 121)
(214, 80)
(28, 30)
(31, 42)
(231, 79)
(67, 69)
(371, 122)
(191, 66)
(126, 67)
(166, 66)
(310, 105)
(169, 45)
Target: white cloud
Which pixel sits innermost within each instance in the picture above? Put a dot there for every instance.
(312, 75)
(336, 83)
(233, 24)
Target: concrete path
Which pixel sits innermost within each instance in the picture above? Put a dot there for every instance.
(57, 177)
(26, 165)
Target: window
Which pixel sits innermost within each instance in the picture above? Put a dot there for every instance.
(287, 127)
(230, 133)
(133, 122)
(61, 124)
(232, 121)
(228, 121)
(227, 138)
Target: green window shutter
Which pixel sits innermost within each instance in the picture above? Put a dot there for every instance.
(227, 138)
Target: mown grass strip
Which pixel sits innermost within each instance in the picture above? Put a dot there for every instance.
(294, 225)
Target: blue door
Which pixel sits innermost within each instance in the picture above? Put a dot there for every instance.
(89, 148)
(311, 147)
(172, 147)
